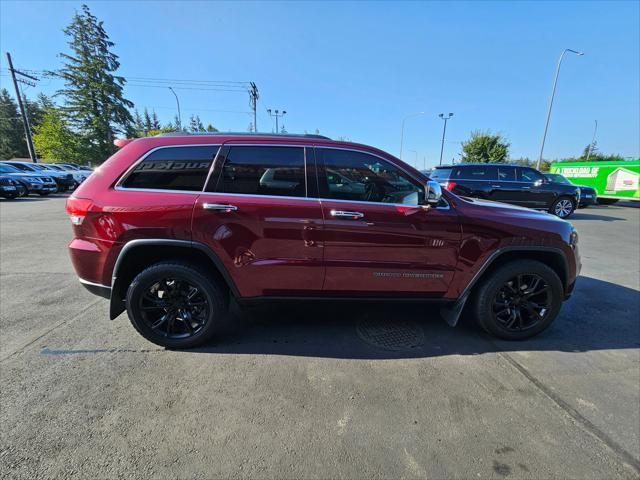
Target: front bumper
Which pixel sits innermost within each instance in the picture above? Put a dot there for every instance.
(587, 199)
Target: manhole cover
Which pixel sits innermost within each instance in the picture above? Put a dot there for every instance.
(390, 334)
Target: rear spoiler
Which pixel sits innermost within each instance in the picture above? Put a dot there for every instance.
(121, 142)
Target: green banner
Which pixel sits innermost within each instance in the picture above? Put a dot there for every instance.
(614, 179)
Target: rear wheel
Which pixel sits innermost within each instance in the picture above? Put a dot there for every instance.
(563, 207)
(175, 305)
(518, 300)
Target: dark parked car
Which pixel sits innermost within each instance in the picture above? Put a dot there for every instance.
(588, 195)
(64, 181)
(174, 226)
(521, 186)
(32, 182)
(10, 188)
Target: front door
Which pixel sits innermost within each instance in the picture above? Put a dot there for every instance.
(258, 216)
(379, 240)
(536, 189)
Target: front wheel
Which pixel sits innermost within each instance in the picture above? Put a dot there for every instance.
(563, 207)
(175, 305)
(518, 300)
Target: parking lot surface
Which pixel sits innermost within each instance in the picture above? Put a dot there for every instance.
(334, 391)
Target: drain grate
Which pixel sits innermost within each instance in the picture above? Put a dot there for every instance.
(390, 334)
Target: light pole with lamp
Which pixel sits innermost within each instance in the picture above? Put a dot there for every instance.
(402, 131)
(593, 140)
(179, 115)
(553, 94)
(416, 154)
(444, 131)
(277, 114)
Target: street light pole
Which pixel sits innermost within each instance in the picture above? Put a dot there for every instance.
(416, 154)
(444, 132)
(553, 93)
(276, 113)
(593, 140)
(178, 103)
(402, 131)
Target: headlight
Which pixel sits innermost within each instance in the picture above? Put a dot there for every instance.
(35, 180)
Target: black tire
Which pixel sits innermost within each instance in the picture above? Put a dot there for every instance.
(175, 331)
(563, 207)
(607, 201)
(489, 299)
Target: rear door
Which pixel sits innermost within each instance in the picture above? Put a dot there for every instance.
(261, 216)
(379, 240)
(506, 188)
(473, 181)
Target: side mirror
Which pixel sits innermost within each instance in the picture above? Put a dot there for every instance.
(537, 183)
(433, 193)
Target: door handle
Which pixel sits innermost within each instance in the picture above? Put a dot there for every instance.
(495, 186)
(221, 207)
(343, 214)
(526, 188)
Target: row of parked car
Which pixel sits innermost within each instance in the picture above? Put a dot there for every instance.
(18, 179)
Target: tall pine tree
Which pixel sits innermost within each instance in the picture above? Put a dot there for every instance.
(94, 100)
(12, 143)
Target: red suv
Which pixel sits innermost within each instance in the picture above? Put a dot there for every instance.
(171, 228)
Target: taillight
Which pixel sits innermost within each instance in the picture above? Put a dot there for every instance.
(77, 209)
(449, 185)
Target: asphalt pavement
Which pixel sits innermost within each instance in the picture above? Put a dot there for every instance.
(301, 391)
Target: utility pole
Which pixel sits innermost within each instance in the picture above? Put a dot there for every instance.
(23, 112)
(277, 114)
(402, 129)
(593, 140)
(253, 101)
(444, 131)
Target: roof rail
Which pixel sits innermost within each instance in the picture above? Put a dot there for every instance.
(244, 134)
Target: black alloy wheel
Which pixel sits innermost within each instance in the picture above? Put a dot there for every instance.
(176, 304)
(174, 308)
(522, 302)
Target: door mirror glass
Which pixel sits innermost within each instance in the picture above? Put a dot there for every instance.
(433, 192)
(538, 182)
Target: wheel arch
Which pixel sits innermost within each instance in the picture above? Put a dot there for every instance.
(550, 256)
(136, 255)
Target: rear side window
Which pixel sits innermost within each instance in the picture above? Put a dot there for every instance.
(274, 171)
(440, 173)
(479, 172)
(358, 176)
(173, 168)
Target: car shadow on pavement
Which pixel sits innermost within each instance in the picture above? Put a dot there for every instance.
(601, 315)
(582, 215)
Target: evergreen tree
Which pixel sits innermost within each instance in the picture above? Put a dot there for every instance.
(155, 123)
(484, 147)
(148, 124)
(138, 124)
(211, 128)
(12, 142)
(195, 124)
(94, 100)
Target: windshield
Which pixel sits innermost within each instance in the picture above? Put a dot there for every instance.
(23, 167)
(8, 169)
(55, 167)
(441, 173)
(556, 177)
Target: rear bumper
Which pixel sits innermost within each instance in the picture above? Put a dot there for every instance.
(103, 291)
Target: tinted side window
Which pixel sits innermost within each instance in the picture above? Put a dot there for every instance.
(440, 173)
(476, 173)
(529, 175)
(359, 176)
(278, 171)
(173, 168)
(507, 174)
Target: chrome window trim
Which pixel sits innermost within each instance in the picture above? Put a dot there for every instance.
(123, 177)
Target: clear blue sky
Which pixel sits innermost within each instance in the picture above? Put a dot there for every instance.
(356, 69)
